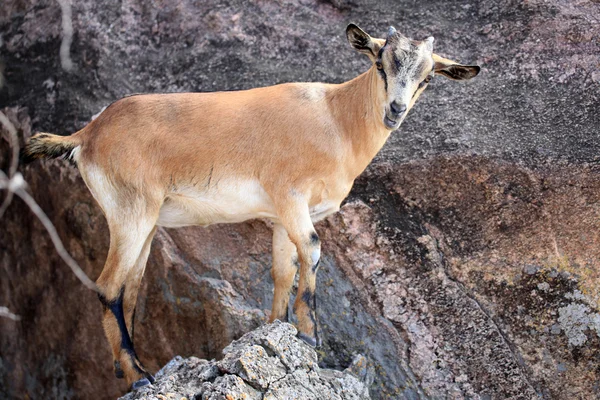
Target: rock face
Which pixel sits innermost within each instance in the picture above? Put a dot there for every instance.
(267, 363)
(463, 265)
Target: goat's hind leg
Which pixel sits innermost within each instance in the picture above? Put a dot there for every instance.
(118, 284)
(134, 280)
(130, 296)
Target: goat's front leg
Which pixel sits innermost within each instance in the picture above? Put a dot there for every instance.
(297, 222)
(283, 272)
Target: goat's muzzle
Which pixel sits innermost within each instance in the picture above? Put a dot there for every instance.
(394, 114)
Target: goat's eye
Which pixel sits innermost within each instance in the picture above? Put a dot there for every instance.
(378, 65)
(425, 81)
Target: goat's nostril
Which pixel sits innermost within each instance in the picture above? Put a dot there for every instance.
(397, 108)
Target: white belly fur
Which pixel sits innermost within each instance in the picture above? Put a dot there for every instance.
(226, 202)
(323, 209)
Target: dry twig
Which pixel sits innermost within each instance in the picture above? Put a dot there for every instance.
(5, 313)
(15, 184)
(67, 35)
(14, 144)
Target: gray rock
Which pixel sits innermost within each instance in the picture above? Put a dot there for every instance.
(531, 269)
(267, 363)
(543, 286)
(280, 342)
(253, 365)
(230, 387)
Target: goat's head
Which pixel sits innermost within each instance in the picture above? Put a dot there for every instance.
(404, 67)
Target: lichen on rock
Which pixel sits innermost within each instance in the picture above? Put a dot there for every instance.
(575, 319)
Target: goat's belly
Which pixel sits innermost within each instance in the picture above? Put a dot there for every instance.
(324, 209)
(225, 203)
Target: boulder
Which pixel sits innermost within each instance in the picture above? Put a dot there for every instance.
(267, 363)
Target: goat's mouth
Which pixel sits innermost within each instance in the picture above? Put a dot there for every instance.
(391, 123)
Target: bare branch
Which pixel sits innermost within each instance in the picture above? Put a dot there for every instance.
(14, 143)
(15, 184)
(67, 37)
(58, 245)
(5, 312)
(4, 183)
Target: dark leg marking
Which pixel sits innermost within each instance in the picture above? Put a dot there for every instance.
(119, 374)
(316, 266)
(116, 307)
(310, 299)
(307, 297)
(286, 317)
(132, 322)
(314, 238)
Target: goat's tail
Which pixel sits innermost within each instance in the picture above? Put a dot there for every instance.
(47, 145)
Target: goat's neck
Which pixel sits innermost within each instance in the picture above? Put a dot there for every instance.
(356, 106)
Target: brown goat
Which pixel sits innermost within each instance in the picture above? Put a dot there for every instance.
(288, 153)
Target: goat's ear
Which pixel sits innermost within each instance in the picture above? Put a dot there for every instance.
(453, 70)
(363, 42)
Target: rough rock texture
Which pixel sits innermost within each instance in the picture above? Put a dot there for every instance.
(267, 363)
(464, 264)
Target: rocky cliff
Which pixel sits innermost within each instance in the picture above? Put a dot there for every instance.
(463, 265)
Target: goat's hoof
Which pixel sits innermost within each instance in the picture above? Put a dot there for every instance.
(118, 371)
(141, 383)
(150, 378)
(311, 341)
